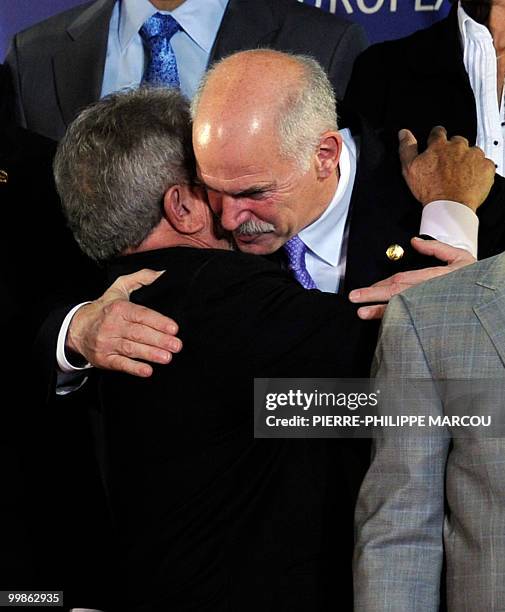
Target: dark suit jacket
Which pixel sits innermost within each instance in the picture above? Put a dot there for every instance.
(416, 82)
(58, 64)
(209, 518)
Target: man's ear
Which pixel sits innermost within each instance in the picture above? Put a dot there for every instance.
(183, 210)
(328, 154)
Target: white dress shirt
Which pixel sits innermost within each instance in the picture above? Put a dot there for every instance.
(325, 257)
(125, 59)
(479, 58)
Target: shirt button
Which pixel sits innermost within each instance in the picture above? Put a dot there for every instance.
(496, 143)
(503, 123)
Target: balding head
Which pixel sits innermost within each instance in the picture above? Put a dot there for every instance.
(265, 92)
(265, 129)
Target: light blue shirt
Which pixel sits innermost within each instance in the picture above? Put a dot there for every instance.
(125, 60)
(326, 255)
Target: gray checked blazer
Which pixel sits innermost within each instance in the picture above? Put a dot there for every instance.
(428, 498)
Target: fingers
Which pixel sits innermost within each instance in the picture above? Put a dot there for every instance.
(134, 332)
(367, 313)
(407, 147)
(131, 282)
(115, 335)
(461, 140)
(134, 313)
(384, 290)
(441, 251)
(129, 366)
(129, 349)
(119, 346)
(438, 134)
(144, 335)
(490, 166)
(377, 293)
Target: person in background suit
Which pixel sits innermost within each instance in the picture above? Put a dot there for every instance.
(432, 504)
(450, 74)
(70, 60)
(276, 168)
(207, 517)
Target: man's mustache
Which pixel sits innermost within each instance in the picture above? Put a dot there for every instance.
(254, 227)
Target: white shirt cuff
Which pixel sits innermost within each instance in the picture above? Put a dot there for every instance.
(452, 223)
(61, 358)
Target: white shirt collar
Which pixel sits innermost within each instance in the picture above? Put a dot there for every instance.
(469, 29)
(316, 235)
(200, 20)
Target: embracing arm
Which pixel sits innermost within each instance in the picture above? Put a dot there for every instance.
(457, 179)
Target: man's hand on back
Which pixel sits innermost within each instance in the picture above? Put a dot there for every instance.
(113, 334)
(384, 290)
(446, 170)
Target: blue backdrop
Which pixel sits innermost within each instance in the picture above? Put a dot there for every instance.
(383, 19)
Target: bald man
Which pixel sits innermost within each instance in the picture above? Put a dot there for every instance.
(279, 174)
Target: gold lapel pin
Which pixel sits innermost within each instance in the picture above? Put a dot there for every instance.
(4, 177)
(395, 252)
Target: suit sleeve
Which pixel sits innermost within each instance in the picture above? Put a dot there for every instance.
(352, 43)
(400, 509)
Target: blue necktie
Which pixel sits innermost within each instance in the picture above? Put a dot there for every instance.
(156, 33)
(296, 249)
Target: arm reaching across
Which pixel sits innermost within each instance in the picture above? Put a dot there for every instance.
(384, 290)
(448, 171)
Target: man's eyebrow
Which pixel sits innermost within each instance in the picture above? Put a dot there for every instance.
(244, 193)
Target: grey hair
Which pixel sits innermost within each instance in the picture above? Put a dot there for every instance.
(304, 114)
(115, 163)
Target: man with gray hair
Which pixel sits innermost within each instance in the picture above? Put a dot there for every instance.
(207, 517)
(125, 162)
(280, 174)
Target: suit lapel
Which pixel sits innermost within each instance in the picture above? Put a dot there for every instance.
(491, 311)
(79, 64)
(246, 24)
(382, 213)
